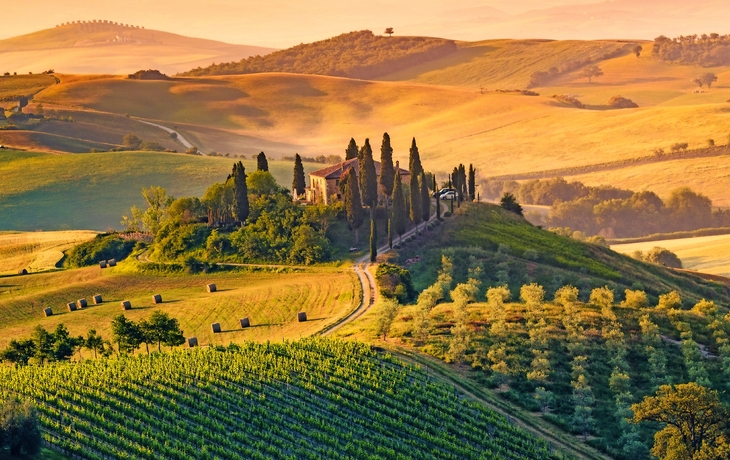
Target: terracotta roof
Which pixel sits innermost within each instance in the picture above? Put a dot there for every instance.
(336, 171)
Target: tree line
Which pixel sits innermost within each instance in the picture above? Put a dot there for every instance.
(704, 50)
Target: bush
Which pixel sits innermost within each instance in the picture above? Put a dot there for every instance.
(395, 282)
(175, 241)
(619, 102)
(664, 257)
(151, 146)
(447, 214)
(103, 247)
(570, 100)
(19, 429)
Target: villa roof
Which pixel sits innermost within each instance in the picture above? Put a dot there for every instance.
(336, 171)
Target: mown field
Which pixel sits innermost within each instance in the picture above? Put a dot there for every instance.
(271, 298)
(92, 191)
(37, 251)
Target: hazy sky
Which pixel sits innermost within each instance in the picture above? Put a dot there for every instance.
(282, 23)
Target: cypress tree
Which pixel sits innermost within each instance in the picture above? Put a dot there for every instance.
(414, 160)
(425, 200)
(472, 182)
(351, 150)
(368, 176)
(462, 182)
(373, 237)
(387, 171)
(438, 199)
(456, 177)
(262, 164)
(415, 201)
(390, 232)
(240, 193)
(299, 183)
(399, 205)
(353, 205)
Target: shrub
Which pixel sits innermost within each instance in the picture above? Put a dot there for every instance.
(447, 214)
(151, 146)
(395, 282)
(176, 241)
(103, 247)
(619, 102)
(570, 100)
(664, 257)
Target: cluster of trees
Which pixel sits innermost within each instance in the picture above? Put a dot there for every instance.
(395, 282)
(43, 346)
(102, 247)
(705, 50)
(19, 428)
(356, 54)
(322, 159)
(159, 329)
(134, 142)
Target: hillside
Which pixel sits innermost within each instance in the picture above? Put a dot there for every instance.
(306, 399)
(354, 55)
(110, 48)
(37, 251)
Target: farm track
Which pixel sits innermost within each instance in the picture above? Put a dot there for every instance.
(178, 136)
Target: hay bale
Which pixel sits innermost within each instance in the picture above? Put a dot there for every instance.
(22, 271)
(102, 264)
(210, 287)
(126, 305)
(216, 327)
(97, 299)
(71, 306)
(112, 262)
(157, 298)
(82, 303)
(48, 312)
(301, 317)
(192, 342)
(244, 322)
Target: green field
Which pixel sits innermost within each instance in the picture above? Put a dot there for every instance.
(43, 191)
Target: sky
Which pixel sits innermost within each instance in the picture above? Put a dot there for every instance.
(283, 23)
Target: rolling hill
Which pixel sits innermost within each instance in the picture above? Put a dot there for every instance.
(110, 48)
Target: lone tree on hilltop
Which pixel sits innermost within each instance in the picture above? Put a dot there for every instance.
(299, 183)
(389, 31)
(262, 164)
(592, 72)
(352, 150)
(637, 50)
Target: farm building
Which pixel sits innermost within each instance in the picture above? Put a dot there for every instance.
(324, 185)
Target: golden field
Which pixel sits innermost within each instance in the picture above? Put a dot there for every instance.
(37, 251)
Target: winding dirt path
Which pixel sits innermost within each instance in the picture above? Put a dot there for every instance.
(178, 137)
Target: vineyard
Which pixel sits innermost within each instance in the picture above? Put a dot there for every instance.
(314, 398)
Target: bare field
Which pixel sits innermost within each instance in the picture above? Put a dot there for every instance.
(37, 251)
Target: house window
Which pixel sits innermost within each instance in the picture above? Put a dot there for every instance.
(337, 182)
(339, 196)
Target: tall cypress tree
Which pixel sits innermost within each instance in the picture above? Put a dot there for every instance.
(438, 198)
(351, 150)
(373, 237)
(399, 205)
(299, 183)
(368, 176)
(472, 182)
(387, 171)
(425, 200)
(353, 205)
(415, 201)
(240, 193)
(456, 178)
(390, 232)
(414, 160)
(462, 183)
(262, 164)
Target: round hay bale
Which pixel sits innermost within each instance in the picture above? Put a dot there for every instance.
(126, 305)
(97, 299)
(22, 271)
(112, 262)
(244, 322)
(102, 264)
(48, 311)
(216, 327)
(157, 298)
(82, 303)
(210, 287)
(192, 342)
(301, 316)
(71, 306)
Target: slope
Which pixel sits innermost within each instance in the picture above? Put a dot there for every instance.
(306, 399)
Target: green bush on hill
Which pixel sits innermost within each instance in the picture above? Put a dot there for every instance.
(103, 247)
(395, 282)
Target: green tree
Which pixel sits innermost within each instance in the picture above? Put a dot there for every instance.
(299, 182)
(425, 199)
(19, 428)
(399, 206)
(43, 344)
(509, 202)
(353, 205)
(373, 238)
(414, 160)
(708, 79)
(415, 200)
(126, 334)
(240, 193)
(18, 352)
(132, 141)
(462, 190)
(389, 31)
(582, 400)
(261, 182)
(387, 171)
(438, 197)
(161, 329)
(157, 203)
(262, 164)
(95, 343)
(352, 150)
(64, 346)
(308, 246)
(592, 72)
(368, 176)
(472, 183)
(386, 314)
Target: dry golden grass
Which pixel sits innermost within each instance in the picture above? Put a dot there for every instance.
(707, 254)
(36, 251)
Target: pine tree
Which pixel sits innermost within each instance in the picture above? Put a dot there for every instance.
(299, 183)
(353, 205)
(399, 205)
(387, 171)
(262, 164)
(425, 200)
(240, 193)
(472, 182)
(373, 237)
(368, 176)
(352, 150)
(415, 200)
(414, 160)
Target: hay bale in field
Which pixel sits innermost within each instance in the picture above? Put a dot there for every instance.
(71, 306)
(82, 303)
(112, 262)
(22, 271)
(244, 322)
(48, 312)
(102, 264)
(192, 342)
(216, 327)
(126, 305)
(157, 298)
(210, 287)
(97, 299)
(301, 317)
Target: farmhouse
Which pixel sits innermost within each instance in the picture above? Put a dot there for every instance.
(324, 185)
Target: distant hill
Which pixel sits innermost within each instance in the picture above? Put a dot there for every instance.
(110, 48)
(356, 55)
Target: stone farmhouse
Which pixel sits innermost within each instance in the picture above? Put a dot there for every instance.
(324, 185)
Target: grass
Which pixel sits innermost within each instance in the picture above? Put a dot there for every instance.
(271, 299)
(14, 86)
(706, 254)
(93, 191)
(36, 251)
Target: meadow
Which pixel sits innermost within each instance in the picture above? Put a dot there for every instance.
(37, 251)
